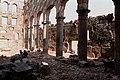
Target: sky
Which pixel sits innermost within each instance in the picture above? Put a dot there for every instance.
(97, 7)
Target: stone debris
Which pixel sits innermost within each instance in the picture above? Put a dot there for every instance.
(83, 64)
(19, 56)
(46, 67)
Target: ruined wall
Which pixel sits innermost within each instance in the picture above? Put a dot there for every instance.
(102, 35)
(70, 32)
(11, 25)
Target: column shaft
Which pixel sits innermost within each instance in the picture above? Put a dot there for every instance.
(59, 36)
(45, 36)
(37, 35)
(70, 45)
(30, 41)
(117, 38)
(82, 36)
(26, 37)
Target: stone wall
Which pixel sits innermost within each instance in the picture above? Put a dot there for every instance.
(11, 25)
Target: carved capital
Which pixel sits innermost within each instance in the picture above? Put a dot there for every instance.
(31, 27)
(83, 11)
(46, 22)
(37, 25)
(26, 27)
(58, 17)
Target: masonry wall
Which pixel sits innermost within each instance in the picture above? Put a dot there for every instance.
(11, 25)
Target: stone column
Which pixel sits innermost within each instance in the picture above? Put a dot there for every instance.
(45, 31)
(26, 36)
(59, 36)
(30, 41)
(117, 36)
(70, 45)
(82, 30)
(60, 7)
(36, 35)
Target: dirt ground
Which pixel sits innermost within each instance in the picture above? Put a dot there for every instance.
(62, 71)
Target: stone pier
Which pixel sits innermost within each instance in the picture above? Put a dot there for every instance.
(117, 36)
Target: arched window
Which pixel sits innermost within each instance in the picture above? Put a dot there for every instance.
(5, 6)
(4, 20)
(16, 36)
(14, 21)
(14, 8)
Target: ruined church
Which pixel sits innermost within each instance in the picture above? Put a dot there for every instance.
(20, 29)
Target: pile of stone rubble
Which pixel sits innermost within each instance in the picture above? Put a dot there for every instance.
(37, 66)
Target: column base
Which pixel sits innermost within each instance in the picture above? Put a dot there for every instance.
(60, 53)
(45, 51)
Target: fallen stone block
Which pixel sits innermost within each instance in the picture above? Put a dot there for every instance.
(74, 59)
(45, 68)
(6, 75)
(21, 71)
(98, 63)
(58, 58)
(7, 66)
(83, 64)
(65, 60)
(21, 67)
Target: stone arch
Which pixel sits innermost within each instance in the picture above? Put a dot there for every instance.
(52, 16)
(38, 17)
(31, 19)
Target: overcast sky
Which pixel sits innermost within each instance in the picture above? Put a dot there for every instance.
(97, 7)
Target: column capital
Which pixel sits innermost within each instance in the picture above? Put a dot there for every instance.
(31, 27)
(116, 2)
(26, 27)
(36, 25)
(83, 11)
(46, 22)
(60, 17)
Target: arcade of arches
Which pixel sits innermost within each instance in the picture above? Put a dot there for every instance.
(32, 13)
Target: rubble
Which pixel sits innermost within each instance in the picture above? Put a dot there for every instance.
(19, 56)
(47, 67)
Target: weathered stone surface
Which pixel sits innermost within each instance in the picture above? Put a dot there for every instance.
(83, 64)
(45, 68)
(19, 56)
(7, 66)
(74, 59)
(22, 71)
(11, 33)
(21, 67)
(6, 75)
